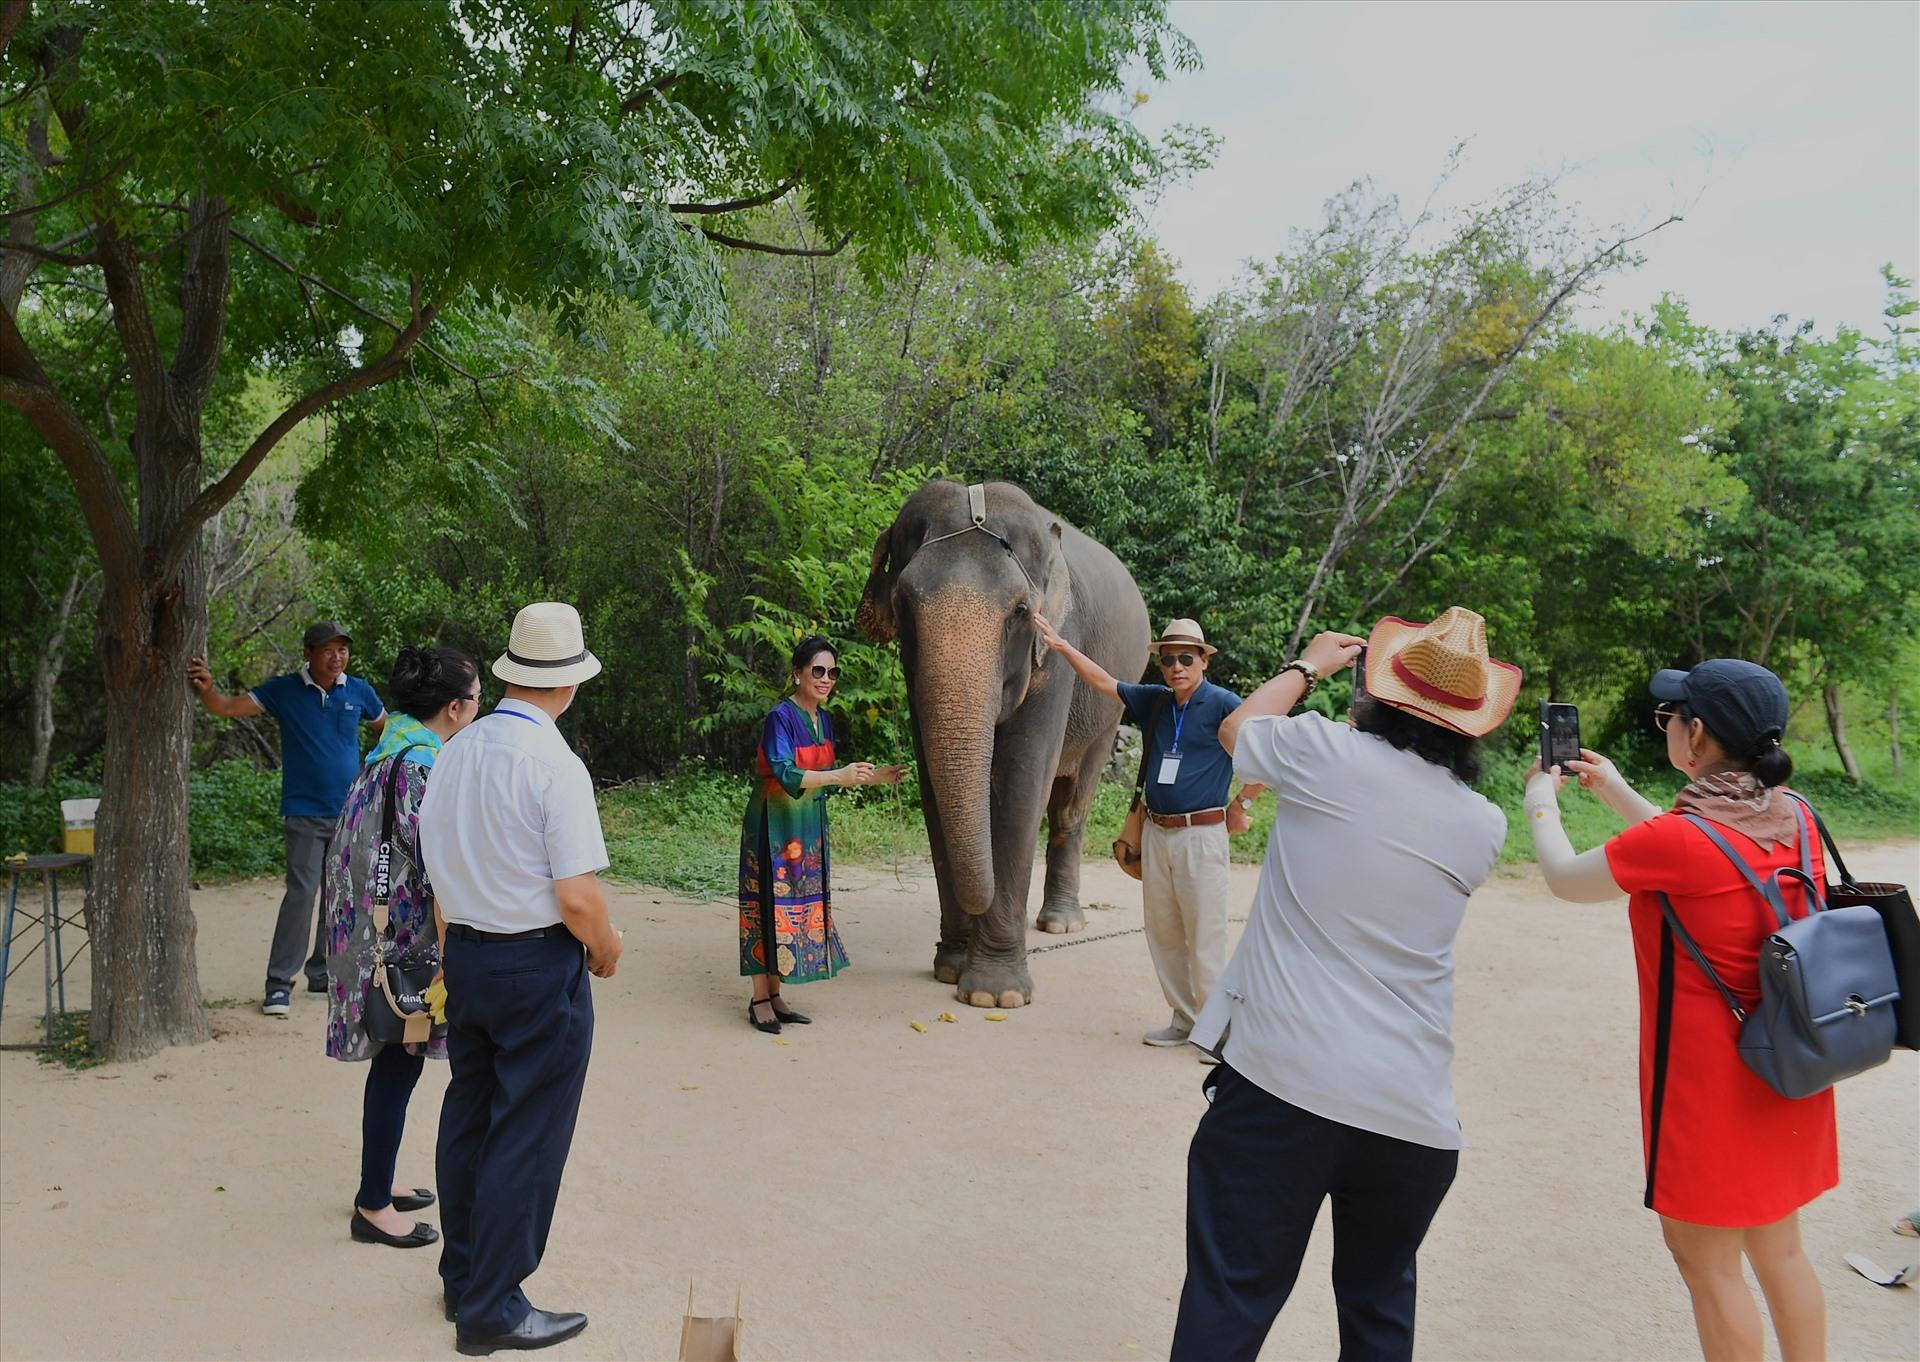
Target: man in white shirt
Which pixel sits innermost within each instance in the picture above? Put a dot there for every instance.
(511, 838)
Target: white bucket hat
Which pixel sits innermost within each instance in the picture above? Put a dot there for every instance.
(546, 648)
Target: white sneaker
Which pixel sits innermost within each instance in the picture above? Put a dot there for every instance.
(1175, 1034)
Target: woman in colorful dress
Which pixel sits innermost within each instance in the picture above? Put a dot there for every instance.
(786, 896)
(1730, 1162)
(433, 694)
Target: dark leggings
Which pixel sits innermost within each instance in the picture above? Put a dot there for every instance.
(390, 1080)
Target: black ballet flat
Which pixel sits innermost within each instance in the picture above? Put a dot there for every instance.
(789, 1016)
(367, 1232)
(419, 1201)
(772, 1028)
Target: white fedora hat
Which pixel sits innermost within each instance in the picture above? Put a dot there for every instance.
(1183, 633)
(546, 648)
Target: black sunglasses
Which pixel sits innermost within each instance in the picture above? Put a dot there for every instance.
(828, 673)
(1184, 659)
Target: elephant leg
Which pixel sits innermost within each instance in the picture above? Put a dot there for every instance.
(956, 928)
(996, 974)
(1067, 808)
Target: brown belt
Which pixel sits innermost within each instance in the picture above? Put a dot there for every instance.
(1205, 818)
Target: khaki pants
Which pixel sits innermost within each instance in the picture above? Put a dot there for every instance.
(1183, 887)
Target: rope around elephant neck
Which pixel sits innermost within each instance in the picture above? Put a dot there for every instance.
(977, 512)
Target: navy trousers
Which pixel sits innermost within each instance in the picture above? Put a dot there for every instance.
(1256, 1175)
(519, 1030)
(391, 1075)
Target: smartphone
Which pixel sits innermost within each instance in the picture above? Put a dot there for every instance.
(1360, 672)
(1559, 735)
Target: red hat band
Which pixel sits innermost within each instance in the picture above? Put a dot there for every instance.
(1428, 691)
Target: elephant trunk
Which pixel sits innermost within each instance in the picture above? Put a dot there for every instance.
(957, 701)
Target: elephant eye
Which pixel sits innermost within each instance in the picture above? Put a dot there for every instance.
(1021, 611)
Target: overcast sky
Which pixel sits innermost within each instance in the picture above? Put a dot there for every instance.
(1788, 134)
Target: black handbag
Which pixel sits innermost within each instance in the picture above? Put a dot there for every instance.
(1895, 906)
(396, 1011)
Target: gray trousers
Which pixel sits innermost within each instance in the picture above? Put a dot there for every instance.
(307, 843)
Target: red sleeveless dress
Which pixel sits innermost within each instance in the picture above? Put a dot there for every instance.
(1722, 1148)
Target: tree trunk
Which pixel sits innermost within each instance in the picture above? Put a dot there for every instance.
(46, 679)
(1837, 725)
(1893, 729)
(146, 979)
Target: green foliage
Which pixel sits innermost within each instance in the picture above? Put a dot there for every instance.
(682, 833)
(806, 577)
(71, 1044)
(233, 815)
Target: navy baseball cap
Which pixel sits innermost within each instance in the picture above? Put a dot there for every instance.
(326, 631)
(1742, 704)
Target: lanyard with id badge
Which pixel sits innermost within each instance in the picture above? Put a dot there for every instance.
(1170, 762)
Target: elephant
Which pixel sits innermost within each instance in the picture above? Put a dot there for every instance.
(1002, 730)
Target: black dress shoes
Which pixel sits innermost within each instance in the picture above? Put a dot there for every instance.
(540, 1329)
(367, 1232)
(788, 1017)
(419, 1201)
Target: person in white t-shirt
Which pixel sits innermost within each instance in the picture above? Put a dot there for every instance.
(511, 839)
(1334, 1018)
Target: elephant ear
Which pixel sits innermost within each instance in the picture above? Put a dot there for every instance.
(874, 618)
(1056, 593)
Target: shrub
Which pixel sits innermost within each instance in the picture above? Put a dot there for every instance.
(233, 818)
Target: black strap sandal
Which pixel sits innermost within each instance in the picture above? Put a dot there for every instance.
(771, 1025)
(788, 1015)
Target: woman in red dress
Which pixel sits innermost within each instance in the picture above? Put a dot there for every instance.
(1729, 1161)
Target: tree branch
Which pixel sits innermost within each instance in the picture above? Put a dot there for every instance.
(72, 262)
(573, 34)
(203, 301)
(304, 279)
(25, 386)
(761, 200)
(375, 372)
(11, 13)
(767, 248)
(74, 192)
(656, 86)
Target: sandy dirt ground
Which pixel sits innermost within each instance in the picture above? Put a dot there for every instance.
(987, 1189)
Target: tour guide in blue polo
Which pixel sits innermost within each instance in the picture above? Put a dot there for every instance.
(320, 709)
(511, 840)
(1184, 860)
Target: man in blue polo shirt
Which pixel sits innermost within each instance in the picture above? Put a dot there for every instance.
(1184, 856)
(320, 709)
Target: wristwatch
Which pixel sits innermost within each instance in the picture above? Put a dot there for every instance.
(1245, 804)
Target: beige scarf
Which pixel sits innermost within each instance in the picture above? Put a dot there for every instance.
(1737, 800)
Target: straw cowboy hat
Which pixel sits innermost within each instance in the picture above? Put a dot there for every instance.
(546, 648)
(1441, 671)
(1183, 634)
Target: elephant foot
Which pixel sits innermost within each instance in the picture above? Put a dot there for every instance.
(1061, 917)
(994, 985)
(948, 962)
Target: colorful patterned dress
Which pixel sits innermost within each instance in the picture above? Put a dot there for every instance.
(786, 899)
(347, 893)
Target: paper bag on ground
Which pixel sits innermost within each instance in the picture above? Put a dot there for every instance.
(710, 1340)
